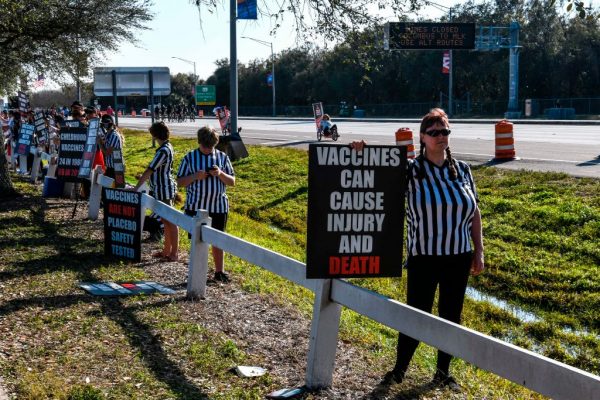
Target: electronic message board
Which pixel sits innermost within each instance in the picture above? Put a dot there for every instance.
(429, 36)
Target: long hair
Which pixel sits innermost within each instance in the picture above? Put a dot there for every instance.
(435, 116)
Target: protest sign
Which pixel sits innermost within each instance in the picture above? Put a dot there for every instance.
(122, 223)
(25, 138)
(89, 151)
(40, 128)
(23, 99)
(124, 288)
(70, 152)
(119, 167)
(318, 113)
(355, 211)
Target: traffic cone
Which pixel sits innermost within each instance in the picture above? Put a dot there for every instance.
(505, 142)
(404, 137)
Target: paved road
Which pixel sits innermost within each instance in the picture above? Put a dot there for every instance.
(574, 149)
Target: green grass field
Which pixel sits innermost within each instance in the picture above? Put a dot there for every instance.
(542, 254)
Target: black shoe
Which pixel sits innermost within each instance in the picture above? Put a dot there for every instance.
(392, 377)
(221, 277)
(442, 379)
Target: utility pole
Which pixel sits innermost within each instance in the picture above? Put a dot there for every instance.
(265, 43)
(233, 75)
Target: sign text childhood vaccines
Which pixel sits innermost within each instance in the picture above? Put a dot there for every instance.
(355, 211)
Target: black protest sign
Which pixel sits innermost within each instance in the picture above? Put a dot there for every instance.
(70, 152)
(40, 127)
(89, 152)
(23, 101)
(122, 223)
(25, 138)
(355, 211)
(119, 167)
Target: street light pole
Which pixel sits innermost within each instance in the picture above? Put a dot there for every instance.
(195, 76)
(265, 43)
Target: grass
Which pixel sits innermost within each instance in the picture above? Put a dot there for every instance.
(542, 254)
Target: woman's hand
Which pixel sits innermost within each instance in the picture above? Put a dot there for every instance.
(477, 264)
(358, 145)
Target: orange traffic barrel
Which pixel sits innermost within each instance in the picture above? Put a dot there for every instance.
(133, 113)
(505, 142)
(404, 137)
(120, 113)
(201, 113)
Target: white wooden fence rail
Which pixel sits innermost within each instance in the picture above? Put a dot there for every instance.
(528, 369)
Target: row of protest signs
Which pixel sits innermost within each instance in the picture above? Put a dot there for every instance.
(355, 213)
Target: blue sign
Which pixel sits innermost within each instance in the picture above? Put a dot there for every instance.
(246, 9)
(270, 79)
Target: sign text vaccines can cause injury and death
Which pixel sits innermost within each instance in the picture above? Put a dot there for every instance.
(355, 211)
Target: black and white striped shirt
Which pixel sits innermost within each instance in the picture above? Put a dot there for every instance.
(113, 140)
(162, 184)
(207, 194)
(439, 210)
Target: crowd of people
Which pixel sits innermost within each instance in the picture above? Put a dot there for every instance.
(444, 231)
(204, 172)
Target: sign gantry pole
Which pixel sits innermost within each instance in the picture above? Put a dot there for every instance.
(233, 76)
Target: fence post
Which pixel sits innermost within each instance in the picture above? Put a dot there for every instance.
(323, 337)
(198, 266)
(95, 194)
(22, 164)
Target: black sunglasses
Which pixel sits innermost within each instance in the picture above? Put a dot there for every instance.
(438, 132)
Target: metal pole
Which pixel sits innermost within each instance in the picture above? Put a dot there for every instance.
(114, 88)
(195, 82)
(450, 78)
(151, 83)
(233, 78)
(273, 82)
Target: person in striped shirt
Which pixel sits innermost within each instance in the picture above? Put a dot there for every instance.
(444, 237)
(111, 141)
(163, 186)
(205, 173)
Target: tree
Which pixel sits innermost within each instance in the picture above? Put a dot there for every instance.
(60, 38)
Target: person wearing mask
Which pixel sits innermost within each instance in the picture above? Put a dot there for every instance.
(205, 173)
(163, 186)
(443, 247)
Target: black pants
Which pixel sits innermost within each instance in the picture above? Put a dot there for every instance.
(425, 273)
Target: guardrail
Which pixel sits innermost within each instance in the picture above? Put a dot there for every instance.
(528, 369)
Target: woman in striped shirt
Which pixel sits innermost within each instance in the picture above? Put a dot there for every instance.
(205, 173)
(163, 186)
(444, 237)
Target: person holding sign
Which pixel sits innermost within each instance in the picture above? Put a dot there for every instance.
(205, 173)
(163, 186)
(111, 140)
(444, 237)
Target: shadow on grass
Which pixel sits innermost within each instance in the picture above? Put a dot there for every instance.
(140, 336)
(68, 256)
(382, 390)
(292, 195)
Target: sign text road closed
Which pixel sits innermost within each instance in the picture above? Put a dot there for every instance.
(355, 211)
(429, 36)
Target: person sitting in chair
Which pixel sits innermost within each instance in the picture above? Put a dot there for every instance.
(325, 124)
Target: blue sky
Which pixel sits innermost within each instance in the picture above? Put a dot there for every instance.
(176, 32)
